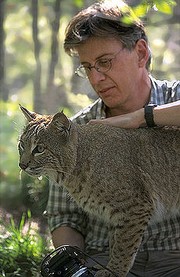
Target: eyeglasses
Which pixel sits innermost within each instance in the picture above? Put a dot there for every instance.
(102, 65)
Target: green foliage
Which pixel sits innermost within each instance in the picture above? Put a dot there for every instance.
(79, 3)
(164, 6)
(143, 7)
(159, 5)
(22, 248)
(11, 123)
(15, 191)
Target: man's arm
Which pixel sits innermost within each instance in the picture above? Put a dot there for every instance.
(164, 115)
(67, 236)
(66, 220)
(168, 114)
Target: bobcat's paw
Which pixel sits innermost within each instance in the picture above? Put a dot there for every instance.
(103, 273)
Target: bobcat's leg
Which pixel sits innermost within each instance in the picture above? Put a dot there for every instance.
(126, 236)
(126, 239)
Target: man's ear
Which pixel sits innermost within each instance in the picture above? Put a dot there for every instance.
(143, 52)
(30, 116)
(61, 123)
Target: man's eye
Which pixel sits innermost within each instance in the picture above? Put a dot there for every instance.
(103, 63)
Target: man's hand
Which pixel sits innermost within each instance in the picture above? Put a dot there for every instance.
(130, 120)
(67, 236)
(164, 115)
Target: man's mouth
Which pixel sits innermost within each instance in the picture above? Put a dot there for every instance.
(105, 90)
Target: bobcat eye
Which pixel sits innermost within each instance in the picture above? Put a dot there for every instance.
(38, 149)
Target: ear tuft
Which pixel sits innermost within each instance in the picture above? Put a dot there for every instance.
(30, 116)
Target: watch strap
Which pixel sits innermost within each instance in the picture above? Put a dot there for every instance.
(148, 114)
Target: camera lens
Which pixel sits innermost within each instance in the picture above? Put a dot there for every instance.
(65, 262)
(81, 272)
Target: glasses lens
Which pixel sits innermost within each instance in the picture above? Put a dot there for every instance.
(103, 65)
(81, 71)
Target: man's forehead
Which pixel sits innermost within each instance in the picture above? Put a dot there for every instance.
(97, 48)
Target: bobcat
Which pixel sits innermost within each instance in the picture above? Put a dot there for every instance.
(125, 176)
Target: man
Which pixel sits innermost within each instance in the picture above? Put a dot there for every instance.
(115, 57)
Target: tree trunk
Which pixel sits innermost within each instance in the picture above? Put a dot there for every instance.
(4, 93)
(51, 97)
(37, 103)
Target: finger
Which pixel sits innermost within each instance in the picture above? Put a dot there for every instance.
(95, 121)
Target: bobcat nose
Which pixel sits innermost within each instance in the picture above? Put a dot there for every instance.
(23, 166)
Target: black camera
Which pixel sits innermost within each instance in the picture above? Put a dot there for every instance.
(65, 261)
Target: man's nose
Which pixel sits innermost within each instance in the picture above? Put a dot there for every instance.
(95, 76)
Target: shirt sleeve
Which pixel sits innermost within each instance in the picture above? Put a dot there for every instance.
(172, 91)
(62, 210)
(164, 92)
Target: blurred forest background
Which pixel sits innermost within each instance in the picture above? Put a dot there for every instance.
(35, 72)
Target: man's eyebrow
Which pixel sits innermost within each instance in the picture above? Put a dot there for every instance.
(98, 58)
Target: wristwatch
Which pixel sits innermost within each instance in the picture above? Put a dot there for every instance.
(148, 114)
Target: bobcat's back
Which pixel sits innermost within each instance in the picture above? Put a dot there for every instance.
(140, 163)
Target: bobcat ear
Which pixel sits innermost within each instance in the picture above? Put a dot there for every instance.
(61, 122)
(30, 116)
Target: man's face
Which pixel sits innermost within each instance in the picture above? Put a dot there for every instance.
(118, 87)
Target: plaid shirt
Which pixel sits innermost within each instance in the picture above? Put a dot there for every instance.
(63, 211)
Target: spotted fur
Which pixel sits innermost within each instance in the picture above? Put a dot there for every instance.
(126, 177)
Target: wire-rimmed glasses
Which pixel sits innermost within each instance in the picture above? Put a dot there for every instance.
(102, 65)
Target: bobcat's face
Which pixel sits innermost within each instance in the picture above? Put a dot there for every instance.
(29, 161)
(36, 157)
(41, 144)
